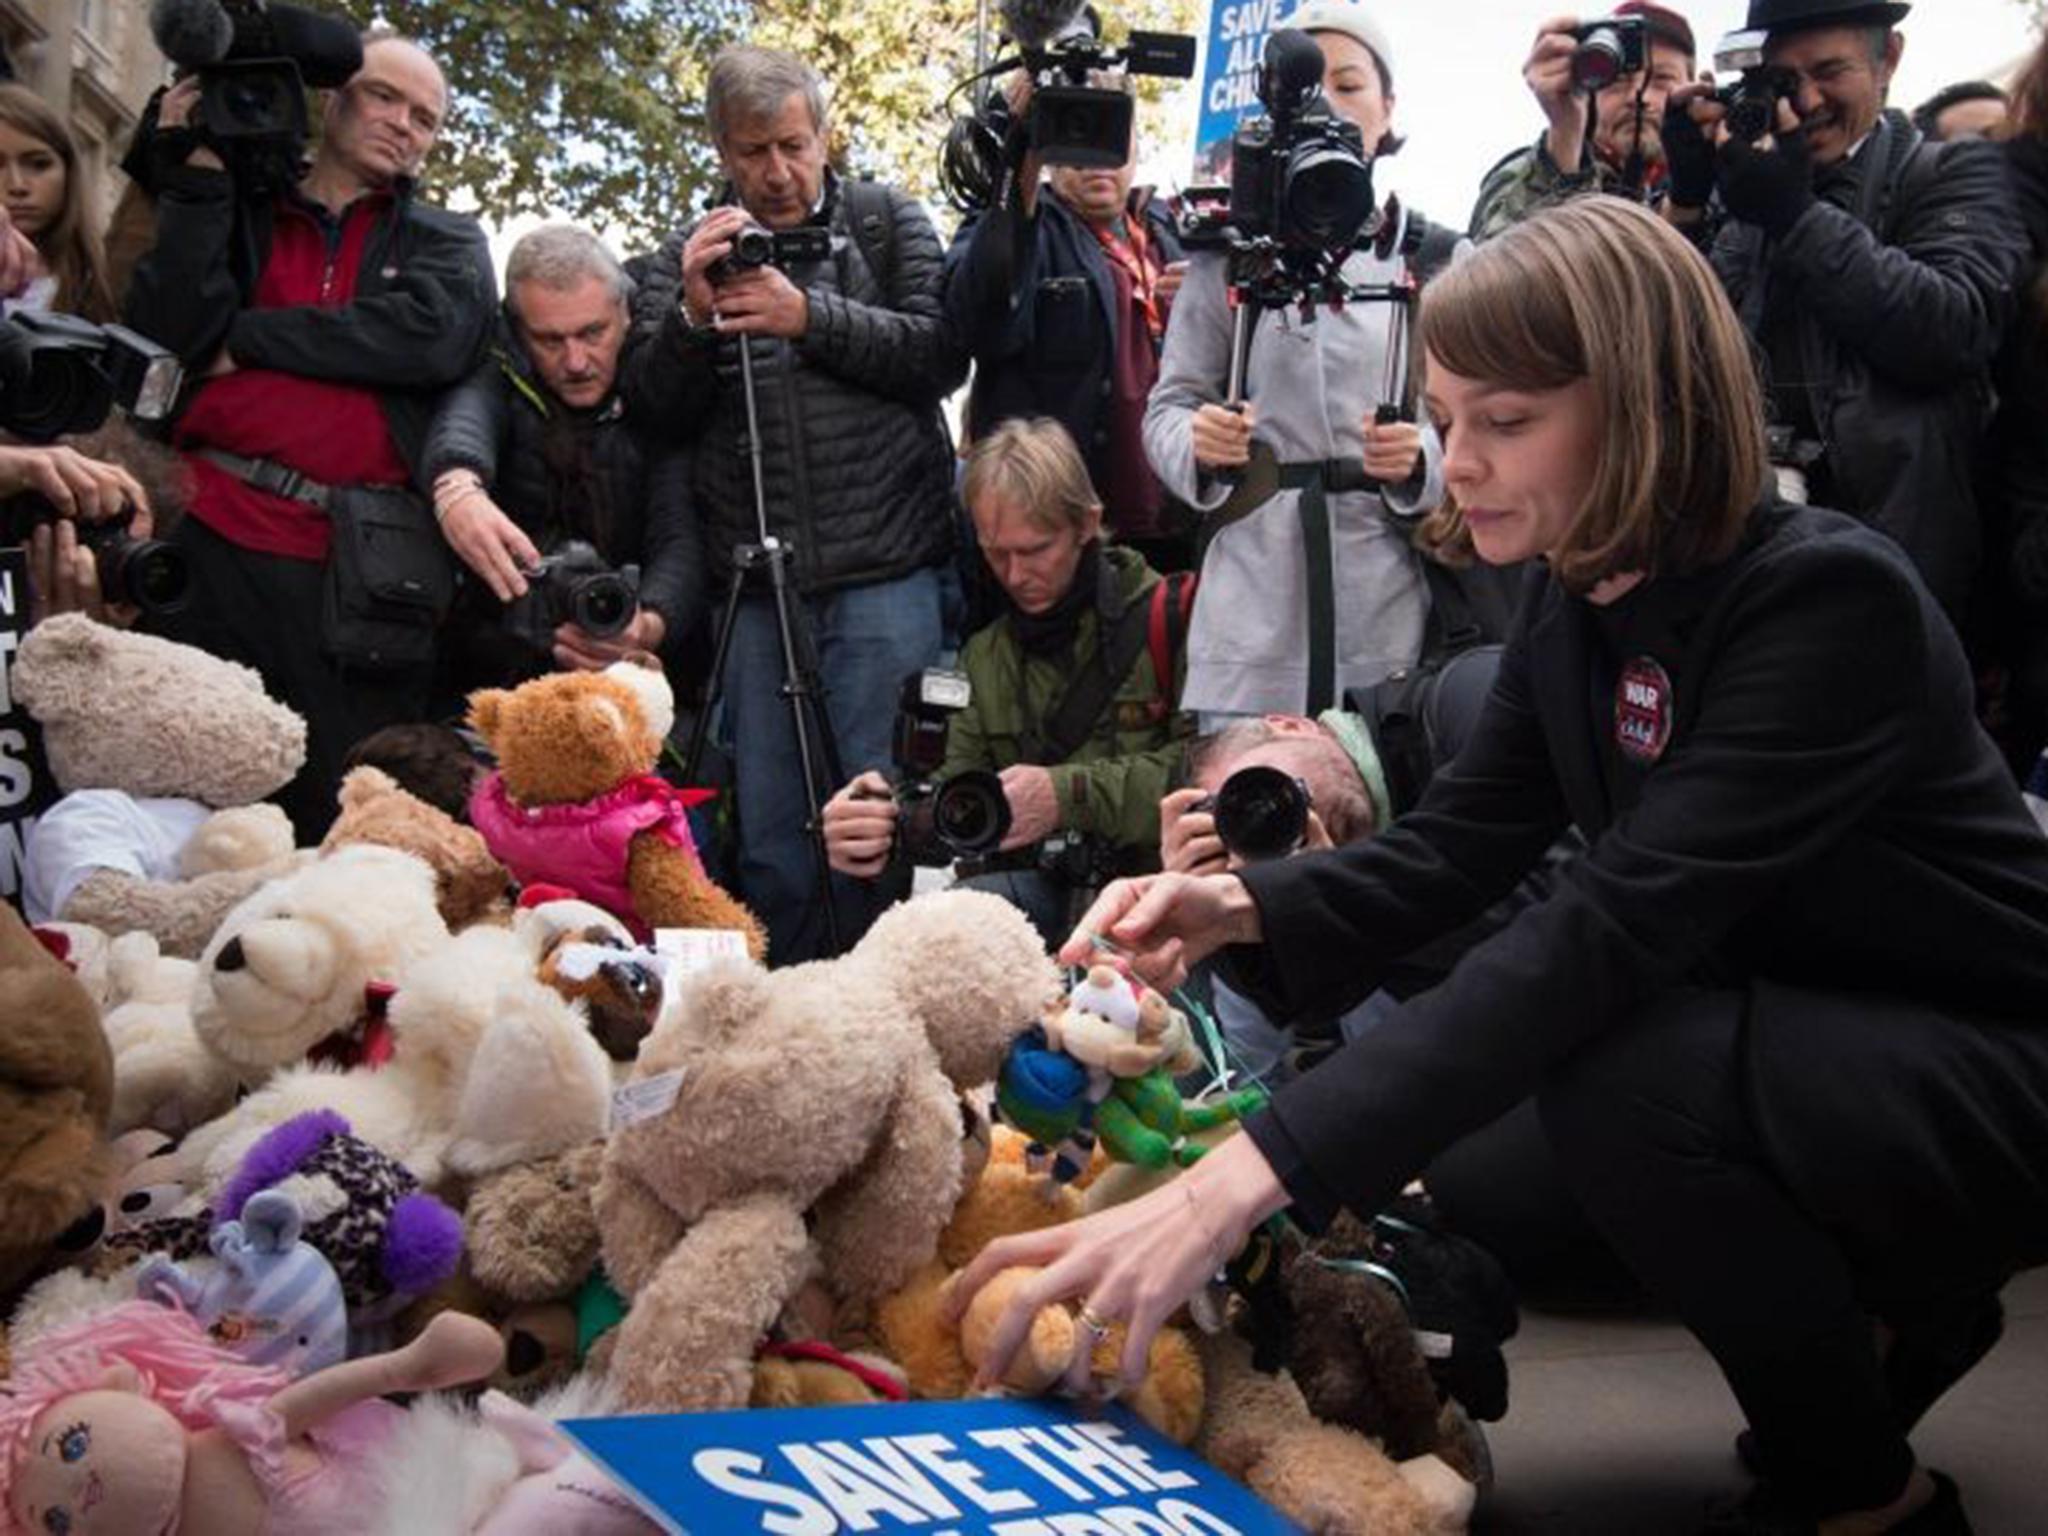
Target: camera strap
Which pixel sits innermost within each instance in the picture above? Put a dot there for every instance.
(1117, 651)
(269, 475)
(1314, 481)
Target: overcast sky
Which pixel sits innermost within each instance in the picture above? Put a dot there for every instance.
(1462, 104)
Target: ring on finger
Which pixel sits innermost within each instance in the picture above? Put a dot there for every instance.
(1094, 1323)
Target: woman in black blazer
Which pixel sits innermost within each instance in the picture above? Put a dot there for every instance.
(1786, 1020)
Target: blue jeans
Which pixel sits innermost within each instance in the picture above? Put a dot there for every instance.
(866, 640)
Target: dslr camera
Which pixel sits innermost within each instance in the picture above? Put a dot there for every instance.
(1261, 813)
(144, 573)
(755, 247)
(1300, 176)
(60, 374)
(1609, 49)
(966, 816)
(574, 585)
(1752, 101)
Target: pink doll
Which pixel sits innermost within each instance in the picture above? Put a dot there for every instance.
(133, 1423)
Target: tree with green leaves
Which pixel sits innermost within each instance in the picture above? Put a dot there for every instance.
(595, 109)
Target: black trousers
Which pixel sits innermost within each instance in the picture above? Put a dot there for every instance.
(265, 612)
(1782, 1167)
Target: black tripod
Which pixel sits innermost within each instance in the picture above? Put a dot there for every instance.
(817, 753)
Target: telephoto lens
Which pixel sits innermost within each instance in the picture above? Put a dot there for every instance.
(971, 814)
(1261, 813)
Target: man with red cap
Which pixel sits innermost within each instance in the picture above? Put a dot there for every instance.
(1604, 140)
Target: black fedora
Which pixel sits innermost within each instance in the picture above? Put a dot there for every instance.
(1782, 16)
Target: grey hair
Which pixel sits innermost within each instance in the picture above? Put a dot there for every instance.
(748, 84)
(560, 256)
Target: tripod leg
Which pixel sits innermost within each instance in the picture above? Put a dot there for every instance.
(714, 684)
(816, 754)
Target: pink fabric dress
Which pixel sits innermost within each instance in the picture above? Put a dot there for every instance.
(585, 847)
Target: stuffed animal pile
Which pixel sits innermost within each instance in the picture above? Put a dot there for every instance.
(286, 1131)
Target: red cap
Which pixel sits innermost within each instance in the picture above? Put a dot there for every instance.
(1665, 24)
(540, 894)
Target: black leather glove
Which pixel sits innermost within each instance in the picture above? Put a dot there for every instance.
(1688, 158)
(1771, 187)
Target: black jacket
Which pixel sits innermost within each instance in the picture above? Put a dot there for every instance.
(855, 455)
(1826, 814)
(496, 422)
(1891, 296)
(2017, 452)
(424, 298)
(1034, 304)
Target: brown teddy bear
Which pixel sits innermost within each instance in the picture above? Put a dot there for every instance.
(56, 1086)
(470, 885)
(812, 1124)
(163, 752)
(575, 801)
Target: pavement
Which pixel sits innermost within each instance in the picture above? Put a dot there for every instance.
(1623, 1427)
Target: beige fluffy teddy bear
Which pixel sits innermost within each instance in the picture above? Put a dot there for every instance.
(812, 1124)
(164, 1079)
(162, 751)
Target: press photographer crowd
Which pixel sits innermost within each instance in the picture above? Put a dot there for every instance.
(1539, 703)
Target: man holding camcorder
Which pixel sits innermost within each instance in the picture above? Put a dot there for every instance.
(1874, 269)
(833, 287)
(321, 318)
(579, 533)
(1603, 86)
(1054, 762)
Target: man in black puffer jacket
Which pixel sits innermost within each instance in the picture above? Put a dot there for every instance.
(1876, 272)
(537, 448)
(849, 367)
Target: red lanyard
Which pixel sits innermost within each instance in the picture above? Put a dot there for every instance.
(1133, 254)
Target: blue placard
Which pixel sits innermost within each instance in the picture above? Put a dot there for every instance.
(1238, 30)
(984, 1467)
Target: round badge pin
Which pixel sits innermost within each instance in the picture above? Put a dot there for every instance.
(1642, 711)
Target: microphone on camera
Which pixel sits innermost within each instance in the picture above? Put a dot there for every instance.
(1034, 24)
(193, 34)
(1291, 71)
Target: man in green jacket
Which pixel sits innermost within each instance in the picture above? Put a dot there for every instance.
(1083, 793)
(1609, 142)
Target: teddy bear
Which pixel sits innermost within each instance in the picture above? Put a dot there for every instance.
(485, 1063)
(805, 1121)
(574, 800)
(470, 885)
(56, 1086)
(164, 1079)
(163, 753)
(305, 966)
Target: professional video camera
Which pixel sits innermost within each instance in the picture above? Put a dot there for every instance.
(145, 573)
(1300, 175)
(1752, 101)
(1608, 49)
(1261, 813)
(255, 63)
(1073, 118)
(60, 375)
(755, 247)
(574, 585)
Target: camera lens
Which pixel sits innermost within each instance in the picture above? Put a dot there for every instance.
(970, 813)
(603, 605)
(752, 248)
(1597, 63)
(1328, 197)
(66, 393)
(147, 573)
(1751, 115)
(1261, 813)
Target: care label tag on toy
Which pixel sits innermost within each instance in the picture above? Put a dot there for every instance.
(645, 1097)
(692, 949)
(1435, 1346)
(983, 1467)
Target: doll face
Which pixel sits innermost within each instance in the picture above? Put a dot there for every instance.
(99, 1462)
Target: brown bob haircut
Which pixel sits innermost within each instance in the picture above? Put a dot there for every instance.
(1603, 290)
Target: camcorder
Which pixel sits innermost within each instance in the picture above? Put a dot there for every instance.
(755, 247)
(1081, 111)
(1608, 49)
(149, 574)
(574, 585)
(255, 62)
(1752, 101)
(61, 375)
(1300, 176)
(1261, 813)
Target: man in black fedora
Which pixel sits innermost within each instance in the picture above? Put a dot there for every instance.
(1876, 270)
